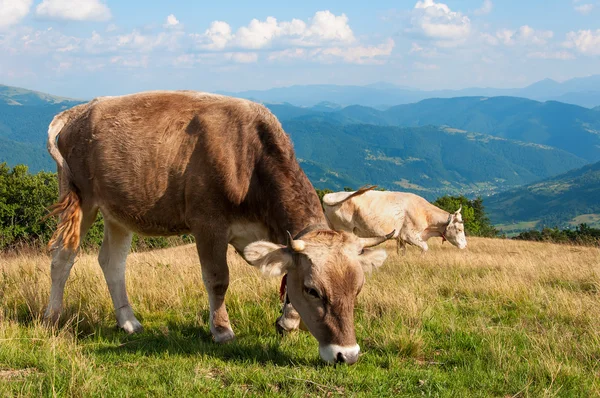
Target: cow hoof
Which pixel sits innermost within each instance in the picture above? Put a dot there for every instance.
(51, 317)
(286, 325)
(132, 326)
(280, 330)
(223, 335)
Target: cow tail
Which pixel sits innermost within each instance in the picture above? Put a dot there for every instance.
(68, 207)
(360, 191)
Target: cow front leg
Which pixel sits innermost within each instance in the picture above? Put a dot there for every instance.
(215, 274)
(417, 241)
(400, 245)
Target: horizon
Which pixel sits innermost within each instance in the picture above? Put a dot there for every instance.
(89, 48)
(396, 86)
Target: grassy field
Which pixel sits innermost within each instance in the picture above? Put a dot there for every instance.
(516, 228)
(502, 318)
(592, 220)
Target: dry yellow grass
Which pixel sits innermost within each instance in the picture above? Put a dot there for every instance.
(500, 318)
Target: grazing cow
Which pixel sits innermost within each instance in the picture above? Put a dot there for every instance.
(220, 168)
(366, 212)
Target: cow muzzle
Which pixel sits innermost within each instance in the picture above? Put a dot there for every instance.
(334, 354)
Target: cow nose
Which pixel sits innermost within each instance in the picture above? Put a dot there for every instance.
(333, 353)
(349, 358)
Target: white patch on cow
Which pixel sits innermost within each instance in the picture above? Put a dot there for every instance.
(241, 234)
(332, 352)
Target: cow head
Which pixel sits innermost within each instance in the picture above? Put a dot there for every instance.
(325, 272)
(455, 231)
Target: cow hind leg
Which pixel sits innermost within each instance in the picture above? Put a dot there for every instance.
(63, 258)
(112, 259)
(215, 274)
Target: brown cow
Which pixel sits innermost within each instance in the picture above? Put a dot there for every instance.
(222, 169)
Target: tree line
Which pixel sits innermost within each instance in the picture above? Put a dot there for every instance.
(25, 198)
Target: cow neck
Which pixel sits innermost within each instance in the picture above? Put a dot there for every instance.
(290, 204)
(438, 223)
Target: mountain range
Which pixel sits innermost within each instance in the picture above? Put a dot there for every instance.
(583, 91)
(429, 160)
(568, 127)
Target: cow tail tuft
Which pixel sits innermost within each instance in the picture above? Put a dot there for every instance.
(68, 207)
(67, 233)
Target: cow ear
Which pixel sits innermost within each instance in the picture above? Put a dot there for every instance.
(372, 259)
(271, 259)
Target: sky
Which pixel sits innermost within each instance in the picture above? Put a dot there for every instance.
(88, 48)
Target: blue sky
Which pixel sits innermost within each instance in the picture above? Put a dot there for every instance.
(86, 48)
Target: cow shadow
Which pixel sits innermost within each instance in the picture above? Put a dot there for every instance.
(191, 340)
(170, 337)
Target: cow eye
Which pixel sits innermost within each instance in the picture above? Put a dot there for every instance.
(311, 292)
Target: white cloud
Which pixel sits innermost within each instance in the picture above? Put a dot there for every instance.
(242, 58)
(172, 21)
(415, 48)
(423, 52)
(505, 36)
(290, 53)
(136, 41)
(74, 10)
(559, 55)
(130, 61)
(324, 27)
(258, 34)
(584, 9)
(524, 35)
(425, 67)
(329, 27)
(361, 54)
(486, 8)
(12, 11)
(530, 35)
(216, 37)
(586, 42)
(437, 21)
(324, 38)
(491, 39)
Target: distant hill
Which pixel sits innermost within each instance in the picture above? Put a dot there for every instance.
(568, 127)
(24, 119)
(555, 201)
(428, 160)
(20, 96)
(584, 91)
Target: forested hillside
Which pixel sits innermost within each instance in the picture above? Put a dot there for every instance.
(568, 127)
(555, 201)
(431, 161)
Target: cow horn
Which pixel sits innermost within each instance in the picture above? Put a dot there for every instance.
(296, 245)
(369, 242)
(459, 209)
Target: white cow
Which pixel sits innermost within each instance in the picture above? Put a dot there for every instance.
(370, 213)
